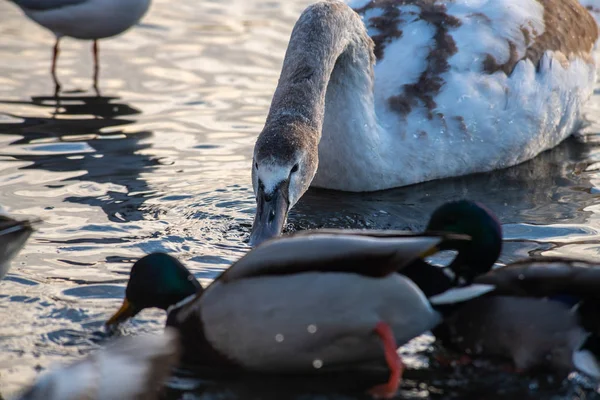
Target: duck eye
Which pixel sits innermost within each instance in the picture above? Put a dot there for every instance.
(295, 168)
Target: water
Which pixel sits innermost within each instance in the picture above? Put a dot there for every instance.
(161, 161)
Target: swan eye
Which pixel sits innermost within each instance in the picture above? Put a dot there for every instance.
(295, 168)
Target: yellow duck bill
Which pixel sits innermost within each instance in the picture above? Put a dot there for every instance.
(126, 311)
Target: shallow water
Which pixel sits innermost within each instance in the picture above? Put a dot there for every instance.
(160, 162)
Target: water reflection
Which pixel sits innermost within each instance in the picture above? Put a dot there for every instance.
(88, 140)
(163, 165)
(426, 382)
(83, 140)
(85, 135)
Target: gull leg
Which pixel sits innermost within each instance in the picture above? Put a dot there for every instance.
(55, 54)
(96, 67)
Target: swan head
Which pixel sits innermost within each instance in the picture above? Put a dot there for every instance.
(284, 164)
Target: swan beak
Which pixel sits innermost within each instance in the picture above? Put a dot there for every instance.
(271, 214)
(126, 311)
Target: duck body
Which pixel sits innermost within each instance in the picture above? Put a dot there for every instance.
(573, 282)
(318, 294)
(458, 87)
(284, 309)
(534, 334)
(278, 324)
(541, 315)
(85, 19)
(127, 369)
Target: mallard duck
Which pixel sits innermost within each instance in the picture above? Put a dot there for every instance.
(83, 19)
(542, 314)
(387, 93)
(304, 303)
(130, 368)
(474, 257)
(14, 234)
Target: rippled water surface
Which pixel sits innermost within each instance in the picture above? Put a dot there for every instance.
(160, 162)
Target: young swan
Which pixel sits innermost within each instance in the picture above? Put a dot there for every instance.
(476, 86)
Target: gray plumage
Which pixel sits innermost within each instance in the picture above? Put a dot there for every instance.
(44, 5)
(130, 368)
(259, 313)
(533, 333)
(327, 37)
(546, 276)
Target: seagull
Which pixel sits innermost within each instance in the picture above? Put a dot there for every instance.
(83, 19)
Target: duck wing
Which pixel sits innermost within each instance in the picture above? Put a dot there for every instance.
(545, 277)
(368, 253)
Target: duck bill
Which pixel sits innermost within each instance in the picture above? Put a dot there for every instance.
(428, 253)
(271, 214)
(126, 311)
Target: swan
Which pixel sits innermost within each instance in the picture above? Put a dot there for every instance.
(386, 93)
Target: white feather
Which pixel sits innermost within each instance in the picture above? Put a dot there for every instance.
(278, 323)
(485, 122)
(271, 175)
(457, 295)
(585, 362)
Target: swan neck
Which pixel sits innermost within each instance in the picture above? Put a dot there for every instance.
(327, 36)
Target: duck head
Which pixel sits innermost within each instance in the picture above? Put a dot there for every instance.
(157, 280)
(284, 164)
(469, 218)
